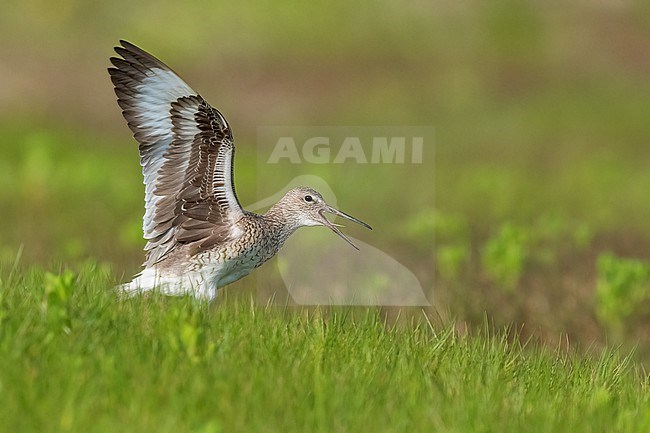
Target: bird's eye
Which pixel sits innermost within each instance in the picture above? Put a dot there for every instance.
(308, 199)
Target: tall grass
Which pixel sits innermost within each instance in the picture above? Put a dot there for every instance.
(75, 357)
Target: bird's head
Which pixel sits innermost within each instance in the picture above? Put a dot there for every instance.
(307, 207)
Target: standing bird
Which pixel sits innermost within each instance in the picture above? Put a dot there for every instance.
(198, 236)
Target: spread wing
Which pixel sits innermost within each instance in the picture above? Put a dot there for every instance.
(186, 152)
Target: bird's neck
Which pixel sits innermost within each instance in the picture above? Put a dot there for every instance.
(281, 221)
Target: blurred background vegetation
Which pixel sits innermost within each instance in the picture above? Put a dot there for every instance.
(541, 217)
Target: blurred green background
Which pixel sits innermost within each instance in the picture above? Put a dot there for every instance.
(542, 158)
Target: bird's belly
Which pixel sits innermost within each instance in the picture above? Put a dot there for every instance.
(221, 271)
(201, 277)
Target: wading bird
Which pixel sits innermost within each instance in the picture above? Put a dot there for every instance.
(198, 236)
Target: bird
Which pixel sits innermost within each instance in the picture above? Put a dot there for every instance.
(198, 236)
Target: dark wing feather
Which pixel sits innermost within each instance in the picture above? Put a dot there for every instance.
(186, 153)
(209, 204)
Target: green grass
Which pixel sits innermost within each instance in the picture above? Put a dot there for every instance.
(74, 357)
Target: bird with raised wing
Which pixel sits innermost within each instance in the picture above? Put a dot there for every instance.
(199, 238)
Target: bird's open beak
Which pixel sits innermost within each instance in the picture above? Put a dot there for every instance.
(333, 226)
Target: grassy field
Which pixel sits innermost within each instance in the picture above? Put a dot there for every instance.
(526, 223)
(74, 357)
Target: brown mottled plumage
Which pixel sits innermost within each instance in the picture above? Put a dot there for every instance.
(198, 236)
